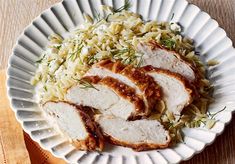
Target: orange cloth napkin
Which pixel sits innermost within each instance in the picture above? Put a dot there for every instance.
(16, 147)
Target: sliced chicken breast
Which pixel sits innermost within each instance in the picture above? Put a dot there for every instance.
(139, 135)
(177, 93)
(159, 57)
(75, 124)
(109, 96)
(144, 85)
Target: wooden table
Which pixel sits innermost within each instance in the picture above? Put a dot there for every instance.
(15, 15)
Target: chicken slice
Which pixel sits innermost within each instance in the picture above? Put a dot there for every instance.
(109, 96)
(177, 92)
(159, 57)
(75, 124)
(139, 134)
(144, 85)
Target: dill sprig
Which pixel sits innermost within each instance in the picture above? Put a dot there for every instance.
(168, 43)
(130, 57)
(74, 55)
(51, 78)
(64, 60)
(198, 122)
(91, 60)
(97, 16)
(85, 84)
(126, 6)
(41, 59)
(197, 53)
(172, 16)
(129, 60)
(207, 120)
(45, 88)
(140, 60)
(212, 116)
(117, 52)
(58, 46)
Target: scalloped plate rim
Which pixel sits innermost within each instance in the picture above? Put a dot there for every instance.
(63, 157)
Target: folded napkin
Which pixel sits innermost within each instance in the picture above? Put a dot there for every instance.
(15, 145)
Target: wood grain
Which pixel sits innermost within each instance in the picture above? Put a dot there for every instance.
(15, 15)
(11, 134)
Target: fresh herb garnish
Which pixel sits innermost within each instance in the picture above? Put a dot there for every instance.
(200, 121)
(172, 17)
(212, 116)
(85, 84)
(168, 43)
(40, 60)
(97, 16)
(51, 78)
(91, 60)
(206, 119)
(130, 56)
(117, 52)
(74, 55)
(197, 53)
(107, 17)
(58, 46)
(64, 60)
(126, 6)
(45, 88)
(129, 60)
(140, 60)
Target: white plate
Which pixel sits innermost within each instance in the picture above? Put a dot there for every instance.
(210, 40)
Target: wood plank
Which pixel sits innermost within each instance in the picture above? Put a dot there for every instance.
(11, 134)
(15, 15)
